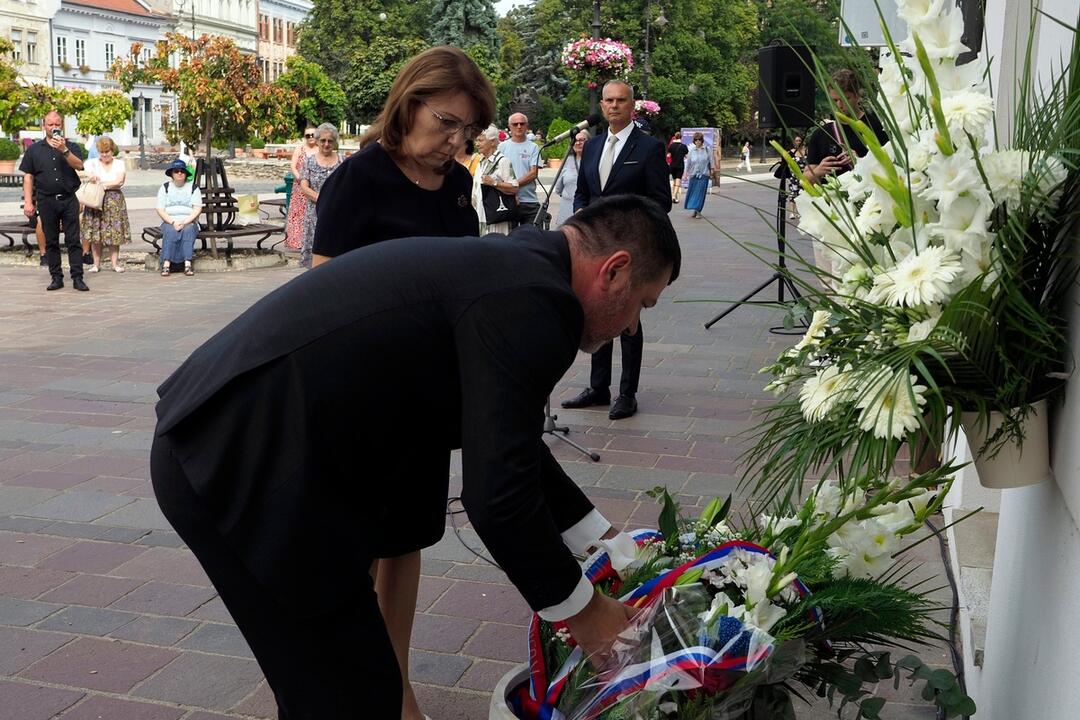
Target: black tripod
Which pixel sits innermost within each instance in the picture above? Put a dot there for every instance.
(780, 276)
(541, 220)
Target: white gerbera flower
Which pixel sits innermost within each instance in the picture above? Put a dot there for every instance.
(891, 404)
(816, 330)
(822, 392)
(967, 111)
(922, 278)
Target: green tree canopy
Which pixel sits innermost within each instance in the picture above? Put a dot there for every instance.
(372, 74)
(464, 23)
(319, 99)
(219, 89)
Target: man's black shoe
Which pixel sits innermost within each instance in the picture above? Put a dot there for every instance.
(56, 284)
(44, 262)
(587, 398)
(623, 407)
(78, 284)
(88, 259)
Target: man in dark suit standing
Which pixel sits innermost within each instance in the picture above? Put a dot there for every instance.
(624, 160)
(294, 443)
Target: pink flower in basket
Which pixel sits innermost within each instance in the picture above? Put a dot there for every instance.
(598, 60)
(646, 107)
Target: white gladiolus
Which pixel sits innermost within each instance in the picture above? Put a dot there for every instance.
(816, 330)
(1005, 170)
(941, 38)
(951, 176)
(777, 525)
(921, 330)
(827, 499)
(918, 12)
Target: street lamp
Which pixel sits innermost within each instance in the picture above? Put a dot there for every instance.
(660, 22)
(593, 99)
(142, 134)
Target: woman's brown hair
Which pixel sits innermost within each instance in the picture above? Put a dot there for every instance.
(847, 81)
(106, 144)
(434, 71)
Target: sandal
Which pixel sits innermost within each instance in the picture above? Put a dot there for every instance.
(94, 268)
(165, 271)
(188, 270)
(118, 268)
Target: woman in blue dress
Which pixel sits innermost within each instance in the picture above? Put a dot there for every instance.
(699, 169)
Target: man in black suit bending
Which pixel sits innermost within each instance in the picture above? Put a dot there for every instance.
(624, 160)
(294, 444)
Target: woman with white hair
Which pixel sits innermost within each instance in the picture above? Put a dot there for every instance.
(316, 168)
(494, 171)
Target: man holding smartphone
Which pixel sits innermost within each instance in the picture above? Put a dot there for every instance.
(50, 180)
(826, 152)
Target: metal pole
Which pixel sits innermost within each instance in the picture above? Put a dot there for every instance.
(645, 69)
(142, 133)
(594, 92)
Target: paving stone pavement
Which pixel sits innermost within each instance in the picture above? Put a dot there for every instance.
(103, 613)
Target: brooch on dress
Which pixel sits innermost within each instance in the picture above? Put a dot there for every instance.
(462, 201)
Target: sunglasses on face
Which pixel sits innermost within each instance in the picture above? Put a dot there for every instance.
(309, 135)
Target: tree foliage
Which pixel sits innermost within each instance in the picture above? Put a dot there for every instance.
(372, 74)
(95, 113)
(463, 24)
(319, 99)
(219, 89)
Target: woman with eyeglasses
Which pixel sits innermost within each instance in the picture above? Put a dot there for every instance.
(699, 170)
(294, 224)
(405, 180)
(313, 174)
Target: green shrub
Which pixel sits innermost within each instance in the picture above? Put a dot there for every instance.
(9, 149)
(257, 143)
(558, 150)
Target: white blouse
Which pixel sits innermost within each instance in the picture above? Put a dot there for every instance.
(110, 175)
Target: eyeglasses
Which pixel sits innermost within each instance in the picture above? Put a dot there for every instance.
(517, 123)
(309, 135)
(450, 126)
(328, 141)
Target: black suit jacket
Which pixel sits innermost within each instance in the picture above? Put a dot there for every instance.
(325, 413)
(640, 169)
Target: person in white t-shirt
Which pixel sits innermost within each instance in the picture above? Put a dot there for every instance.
(178, 205)
(107, 227)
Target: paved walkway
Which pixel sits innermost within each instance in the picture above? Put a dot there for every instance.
(103, 614)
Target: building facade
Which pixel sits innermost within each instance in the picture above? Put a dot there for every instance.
(27, 24)
(278, 22)
(235, 19)
(1020, 607)
(89, 35)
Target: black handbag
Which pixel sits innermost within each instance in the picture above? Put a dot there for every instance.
(498, 206)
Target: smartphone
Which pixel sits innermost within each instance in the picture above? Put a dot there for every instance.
(57, 132)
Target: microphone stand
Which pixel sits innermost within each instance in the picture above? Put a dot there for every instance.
(550, 428)
(541, 219)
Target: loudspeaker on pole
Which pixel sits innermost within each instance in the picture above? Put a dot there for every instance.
(786, 86)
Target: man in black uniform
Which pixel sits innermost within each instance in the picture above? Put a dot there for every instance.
(622, 160)
(49, 169)
(280, 454)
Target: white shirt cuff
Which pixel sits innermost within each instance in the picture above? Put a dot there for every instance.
(572, 605)
(586, 532)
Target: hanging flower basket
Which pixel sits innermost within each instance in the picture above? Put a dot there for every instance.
(649, 108)
(597, 61)
(1013, 465)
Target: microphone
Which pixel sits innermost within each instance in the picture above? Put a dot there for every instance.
(591, 121)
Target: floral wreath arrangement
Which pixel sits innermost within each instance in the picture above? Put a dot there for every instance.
(950, 261)
(596, 61)
(647, 107)
(733, 620)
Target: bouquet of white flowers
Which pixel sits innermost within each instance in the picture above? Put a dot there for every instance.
(734, 618)
(949, 261)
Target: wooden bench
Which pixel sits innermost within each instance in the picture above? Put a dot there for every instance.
(218, 218)
(10, 229)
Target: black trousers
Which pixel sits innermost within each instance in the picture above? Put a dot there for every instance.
(632, 345)
(321, 666)
(52, 209)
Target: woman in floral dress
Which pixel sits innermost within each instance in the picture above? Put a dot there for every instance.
(107, 227)
(313, 174)
(294, 224)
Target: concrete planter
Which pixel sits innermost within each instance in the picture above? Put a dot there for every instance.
(500, 708)
(1013, 466)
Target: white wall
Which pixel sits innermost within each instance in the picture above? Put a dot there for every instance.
(1032, 665)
